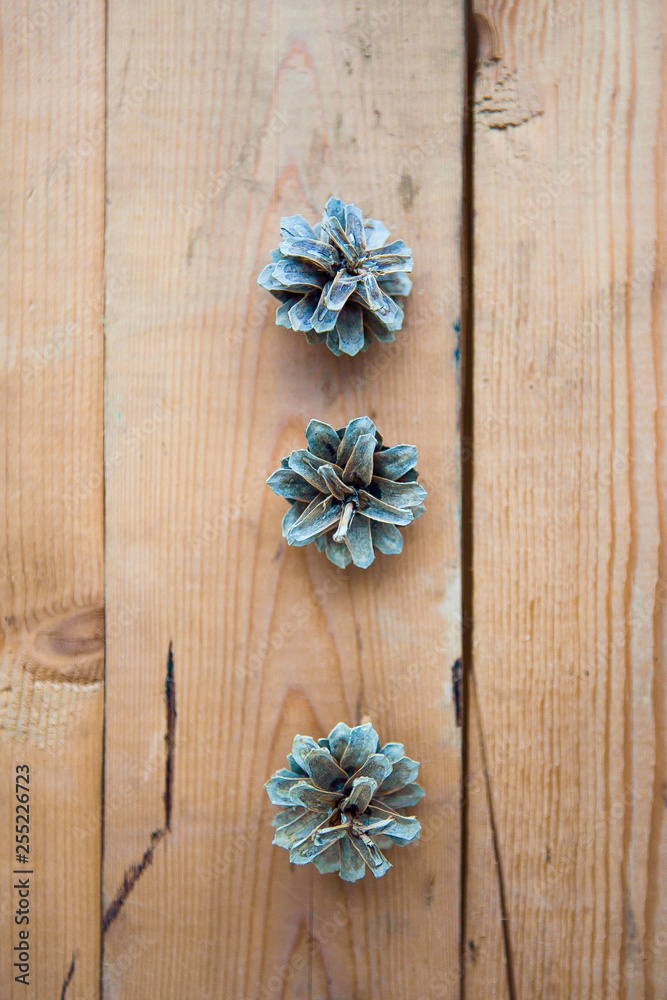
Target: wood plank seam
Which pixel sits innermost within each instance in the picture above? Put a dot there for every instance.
(468, 708)
(502, 892)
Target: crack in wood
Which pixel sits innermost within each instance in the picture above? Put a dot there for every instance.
(135, 871)
(130, 879)
(465, 364)
(457, 688)
(68, 977)
(170, 735)
(475, 46)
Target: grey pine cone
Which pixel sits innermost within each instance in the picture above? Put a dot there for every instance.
(348, 493)
(341, 800)
(338, 280)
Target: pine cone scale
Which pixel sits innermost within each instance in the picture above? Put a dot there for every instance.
(359, 542)
(350, 329)
(322, 440)
(324, 769)
(334, 483)
(404, 771)
(301, 313)
(387, 539)
(392, 463)
(354, 430)
(296, 225)
(308, 467)
(340, 290)
(298, 276)
(292, 486)
(401, 799)
(361, 794)
(361, 743)
(318, 517)
(311, 250)
(399, 494)
(378, 510)
(359, 466)
(377, 766)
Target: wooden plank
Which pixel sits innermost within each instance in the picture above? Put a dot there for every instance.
(656, 894)
(249, 112)
(568, 554)
(51, 556)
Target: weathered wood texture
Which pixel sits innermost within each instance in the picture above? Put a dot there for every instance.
(569, 518)
(246, 112)
(224, 116)
(51, 555)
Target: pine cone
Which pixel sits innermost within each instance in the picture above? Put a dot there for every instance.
(346, 480)
(342, 797)
(337, 281)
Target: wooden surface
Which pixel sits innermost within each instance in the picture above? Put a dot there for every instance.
(568, 703)
(218, 118)
(260, 111)
(51, 489)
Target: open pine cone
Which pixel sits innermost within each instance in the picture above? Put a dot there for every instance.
(341, 799)
(348, 492)
(338, 281)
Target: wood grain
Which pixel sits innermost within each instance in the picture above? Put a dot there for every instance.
(569, 519)
(222, 643)
(262, 110)
(51, 490)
